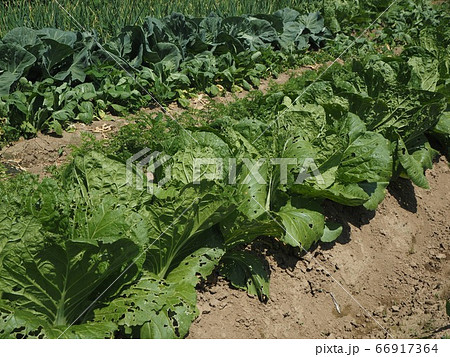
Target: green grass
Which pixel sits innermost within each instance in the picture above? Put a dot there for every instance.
(107, 17)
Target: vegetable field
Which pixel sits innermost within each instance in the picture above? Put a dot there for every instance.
(117, 241)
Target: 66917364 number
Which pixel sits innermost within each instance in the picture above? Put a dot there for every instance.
(406, 348)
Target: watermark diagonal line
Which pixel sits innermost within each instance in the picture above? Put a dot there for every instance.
(321, 74)
(127, 268)
(327, 271)
(114, 58)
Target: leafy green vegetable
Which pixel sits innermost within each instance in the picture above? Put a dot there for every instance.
(52, 273)
(14, 61)
(162, 308)
(441, 131)
(303, 227)
(170, 55)
(245, 271)
(331, 232)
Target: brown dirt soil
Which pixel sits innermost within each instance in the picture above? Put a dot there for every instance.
(37, 154)
(389, 273)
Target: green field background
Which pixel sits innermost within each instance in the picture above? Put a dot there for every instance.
(108, 17)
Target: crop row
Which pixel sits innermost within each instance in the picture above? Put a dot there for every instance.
(50, 77)
(95, 15)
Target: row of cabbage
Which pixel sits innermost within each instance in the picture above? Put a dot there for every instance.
(51, 77)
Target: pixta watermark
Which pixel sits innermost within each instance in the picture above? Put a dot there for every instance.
(141, 170)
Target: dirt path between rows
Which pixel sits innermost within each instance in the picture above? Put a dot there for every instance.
(393, 262)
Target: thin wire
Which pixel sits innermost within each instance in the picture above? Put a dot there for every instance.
(113, 57)
(326, 271)
(278, 117)
(126, 269)
(320, 76)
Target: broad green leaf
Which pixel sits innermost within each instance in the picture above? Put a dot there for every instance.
(199, 262)
(64, 37)
(367, 158)
(302, 227)
(336, 163)
(310, 118)
(16, 323)
(238, 229)
(103, 225)
(313, 22)
(163, 308)
(57, 59)
(22, 36)
(442, 131)
(57, 282)
(245, 271)
(174, 223)
(377, 192)
(346, 194)
(14, 61)
(422, 151)
(331, 232)
(56, 127)
(48, 278)
(253, 188)
(424, 73)
(412, 167)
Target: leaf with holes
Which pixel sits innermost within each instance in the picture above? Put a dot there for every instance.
(245, 271)
(163, 308)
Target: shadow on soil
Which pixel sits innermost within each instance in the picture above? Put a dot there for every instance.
(286, 257)
(345, 215)
(403, 191)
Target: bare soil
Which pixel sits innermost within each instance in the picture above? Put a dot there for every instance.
(388, 273)
(36, 155)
